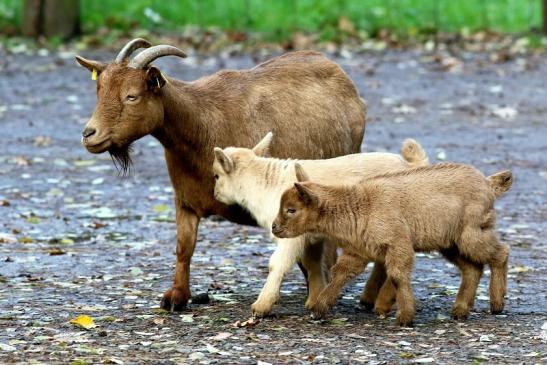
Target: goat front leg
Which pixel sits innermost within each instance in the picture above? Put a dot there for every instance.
(176, 298)
(346, 268)
(318, 258)
(284, 257)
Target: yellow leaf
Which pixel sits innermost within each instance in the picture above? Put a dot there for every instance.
(94, 75)
(160, 208)
(84, 322)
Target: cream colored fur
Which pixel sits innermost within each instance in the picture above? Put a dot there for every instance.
(243, 176)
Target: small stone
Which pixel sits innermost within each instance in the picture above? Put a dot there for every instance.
(202, 298)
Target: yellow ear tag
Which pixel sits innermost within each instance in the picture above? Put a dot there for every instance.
(94, 75)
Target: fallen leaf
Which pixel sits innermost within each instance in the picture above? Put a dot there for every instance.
(404, 109)
(56, 252)
(518, 269)
(7, 238)
(212, 349)
(25, 239)
(160, 208)
(196, 356)
(505, 112)
(338, 321)
(222, 336)
(424, 360)
(251, 322)
(84, 322)
(187, 318)
(79, 362)
(21, 161)
(42, 141)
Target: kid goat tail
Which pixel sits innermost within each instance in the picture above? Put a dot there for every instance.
(413, 153)
(500, 182)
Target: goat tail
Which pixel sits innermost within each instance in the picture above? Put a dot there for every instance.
(413, 153)
(500, 182)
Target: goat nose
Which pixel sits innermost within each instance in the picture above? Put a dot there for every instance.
(274, 226)
(88, 132)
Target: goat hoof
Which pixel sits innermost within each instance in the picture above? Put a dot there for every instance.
(460, 313)
(319, 310)
(366, 304)
(496, 309)
(309, 304)
(317, 316)
(175, 299)
(405, 320)
(260, 310)
(382, 311)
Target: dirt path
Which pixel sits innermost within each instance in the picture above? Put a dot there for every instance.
(76, 239)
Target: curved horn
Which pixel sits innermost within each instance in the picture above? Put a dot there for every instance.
(148, 55)
(130, 47)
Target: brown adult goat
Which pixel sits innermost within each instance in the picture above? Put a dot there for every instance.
(307, 101)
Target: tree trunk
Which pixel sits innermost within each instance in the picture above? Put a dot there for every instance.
(50, 18)
(545, 16)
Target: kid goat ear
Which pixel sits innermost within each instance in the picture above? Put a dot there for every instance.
(262, 148)
(301, 174)
(224, 160)
(307, 195)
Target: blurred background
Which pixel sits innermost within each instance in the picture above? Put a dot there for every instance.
(290, 23)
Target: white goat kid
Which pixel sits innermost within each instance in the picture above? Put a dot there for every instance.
(256, 182)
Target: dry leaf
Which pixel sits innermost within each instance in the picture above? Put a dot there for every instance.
(84, 322)
(222, 336)
(251, 322)
(56, 252)
(159, 321)
(42, 141)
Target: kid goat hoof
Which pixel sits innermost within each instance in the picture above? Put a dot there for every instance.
(460, 314)
(366, 304)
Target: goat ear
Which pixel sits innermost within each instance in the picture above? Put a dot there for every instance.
(263, 147)
(306, 194)
(224, 160)
(301, 174)
(92, 66)
(154, 78)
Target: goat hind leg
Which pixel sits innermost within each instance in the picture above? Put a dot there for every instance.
(375, 282)
(498, 279)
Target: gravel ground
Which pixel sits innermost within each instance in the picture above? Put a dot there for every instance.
(76, 239)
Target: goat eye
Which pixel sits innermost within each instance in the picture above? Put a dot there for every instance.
(291, 210)
(130, 98)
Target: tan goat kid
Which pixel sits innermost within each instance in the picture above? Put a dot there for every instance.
(446, 207)
(248, 178)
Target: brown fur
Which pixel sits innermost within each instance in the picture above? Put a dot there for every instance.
(446, 207)
(306, 100)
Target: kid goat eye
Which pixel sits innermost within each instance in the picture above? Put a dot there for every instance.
(291, 211)
(131, 98)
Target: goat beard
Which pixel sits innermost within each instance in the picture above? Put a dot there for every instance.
(121, 157)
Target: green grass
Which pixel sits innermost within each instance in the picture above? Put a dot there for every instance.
(277, 19)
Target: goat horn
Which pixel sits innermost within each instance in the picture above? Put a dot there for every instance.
(148, 55)
(130, 47)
